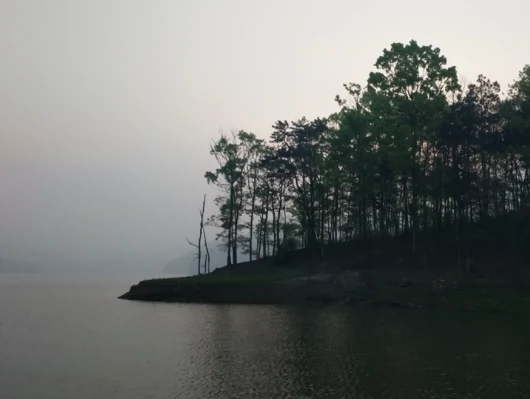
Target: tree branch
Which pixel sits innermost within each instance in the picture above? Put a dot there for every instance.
(192, 244)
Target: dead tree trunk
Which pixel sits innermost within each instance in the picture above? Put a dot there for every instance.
(201, 230)
(201, 212)
(207, 257)
(198, 253)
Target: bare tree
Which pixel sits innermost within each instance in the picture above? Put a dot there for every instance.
(201, 230)
(198, 253)
(207, 257)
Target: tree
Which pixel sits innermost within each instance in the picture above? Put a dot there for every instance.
(229, 178)
(411, 154)
(198, 245)
(413, 84)
(299, 146)
(253, 149)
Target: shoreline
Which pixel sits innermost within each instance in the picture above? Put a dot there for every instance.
(358, 288)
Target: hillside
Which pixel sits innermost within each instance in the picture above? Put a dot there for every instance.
(485, 270)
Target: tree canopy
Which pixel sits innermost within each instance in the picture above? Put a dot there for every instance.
(409, 153)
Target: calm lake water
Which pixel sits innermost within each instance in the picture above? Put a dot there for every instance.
(71, 338)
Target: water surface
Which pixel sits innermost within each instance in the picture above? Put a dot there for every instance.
(63, 338)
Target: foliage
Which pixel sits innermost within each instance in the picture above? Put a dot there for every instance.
(408, 154)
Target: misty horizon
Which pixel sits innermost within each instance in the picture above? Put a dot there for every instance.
(105, 133)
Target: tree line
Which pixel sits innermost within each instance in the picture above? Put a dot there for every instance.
(411, 152)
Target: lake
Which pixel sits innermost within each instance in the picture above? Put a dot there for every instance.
(69, 337)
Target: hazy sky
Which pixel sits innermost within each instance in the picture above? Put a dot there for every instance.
(107, 107)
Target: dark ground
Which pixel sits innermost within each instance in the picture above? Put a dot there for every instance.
(490, 279)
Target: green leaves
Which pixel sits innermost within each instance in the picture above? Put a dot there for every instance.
(407, 152)
(211, 177)
(413, 71)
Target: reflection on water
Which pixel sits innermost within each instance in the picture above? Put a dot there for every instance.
(340, 353)
(74, 339)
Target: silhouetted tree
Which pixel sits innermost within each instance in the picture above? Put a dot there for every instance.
(410, 153)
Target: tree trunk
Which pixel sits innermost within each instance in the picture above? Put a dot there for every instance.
(230, 226)
(201, 212)
(274, 238)
(278, 224)
(265, 232)
(252, 205)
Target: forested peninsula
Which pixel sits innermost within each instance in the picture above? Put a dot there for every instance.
(415, 192)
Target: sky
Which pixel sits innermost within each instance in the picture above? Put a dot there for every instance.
(108, 108)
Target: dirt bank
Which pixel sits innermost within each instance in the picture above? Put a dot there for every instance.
(382, 288)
